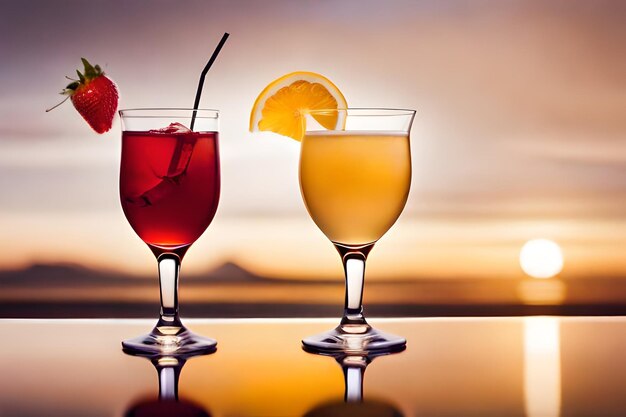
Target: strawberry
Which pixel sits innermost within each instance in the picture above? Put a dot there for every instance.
(94, 96)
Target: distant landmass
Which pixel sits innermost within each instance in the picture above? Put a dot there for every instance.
(69, 290)
(63, 274)
(79, 276)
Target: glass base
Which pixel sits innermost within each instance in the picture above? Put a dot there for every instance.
(170, 340)
(359, 339)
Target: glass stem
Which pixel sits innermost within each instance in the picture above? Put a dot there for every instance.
(354, 384)
(354, 268)
(353, 372)
(168, 382)
(169, 268)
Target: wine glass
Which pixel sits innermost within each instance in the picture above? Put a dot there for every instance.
(355, 182)
(169, 190)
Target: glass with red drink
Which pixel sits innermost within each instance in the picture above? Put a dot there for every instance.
(169, 190)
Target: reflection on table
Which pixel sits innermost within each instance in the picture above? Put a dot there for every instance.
(353, 365)
(167, 404)
(542, 367)
(526, 367)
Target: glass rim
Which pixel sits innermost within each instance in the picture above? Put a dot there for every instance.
(368, 111)
(157, 112)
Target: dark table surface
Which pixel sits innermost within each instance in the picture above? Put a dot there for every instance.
(535, 367)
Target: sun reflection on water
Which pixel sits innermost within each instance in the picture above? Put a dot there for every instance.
(542, 367)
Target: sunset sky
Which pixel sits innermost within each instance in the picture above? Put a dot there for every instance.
(520, 131)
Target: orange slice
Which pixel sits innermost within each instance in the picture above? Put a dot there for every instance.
(282, 105)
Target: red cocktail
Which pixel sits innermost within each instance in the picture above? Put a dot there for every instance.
(169, 185)
(169, 189)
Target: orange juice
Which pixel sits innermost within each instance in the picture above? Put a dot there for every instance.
(355, 184)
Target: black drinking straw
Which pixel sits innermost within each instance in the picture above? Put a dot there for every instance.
(203, 75)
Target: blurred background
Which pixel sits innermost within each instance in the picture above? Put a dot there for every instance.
(520, 135)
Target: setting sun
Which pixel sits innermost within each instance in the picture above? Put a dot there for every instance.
(541, 258)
